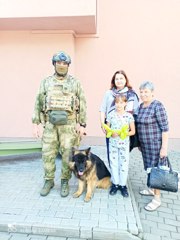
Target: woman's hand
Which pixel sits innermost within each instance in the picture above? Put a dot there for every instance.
(163, 152)
(164, 146)
(104, 131)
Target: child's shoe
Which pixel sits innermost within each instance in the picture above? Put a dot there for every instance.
(113, 189)
(124, 191)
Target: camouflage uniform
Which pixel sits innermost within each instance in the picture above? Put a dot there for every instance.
(59, 137)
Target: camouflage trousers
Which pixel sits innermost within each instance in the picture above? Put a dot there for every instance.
(58, 139)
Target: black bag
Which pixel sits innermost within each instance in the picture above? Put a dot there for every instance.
(162, 179)
(134, 141)
(58, 117)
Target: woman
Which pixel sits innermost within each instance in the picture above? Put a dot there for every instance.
(119, 86)
(152, 126)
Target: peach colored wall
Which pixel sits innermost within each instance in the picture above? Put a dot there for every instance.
(41, 8)
(78, 15)
(25, 60)
(142, 37)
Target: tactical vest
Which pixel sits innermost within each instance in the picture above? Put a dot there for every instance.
(61, 96)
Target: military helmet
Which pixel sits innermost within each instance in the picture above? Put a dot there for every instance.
(61, 56)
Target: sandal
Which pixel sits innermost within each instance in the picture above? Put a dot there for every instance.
(153, 205)
(147, 192)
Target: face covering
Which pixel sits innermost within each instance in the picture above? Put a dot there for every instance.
(61, 70)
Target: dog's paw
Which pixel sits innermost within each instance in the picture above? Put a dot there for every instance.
(76, 195)
(87, 198)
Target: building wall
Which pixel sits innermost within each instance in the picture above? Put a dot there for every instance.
(25, 60)
(142, 37)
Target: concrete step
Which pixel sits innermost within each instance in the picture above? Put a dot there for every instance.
(19, 146)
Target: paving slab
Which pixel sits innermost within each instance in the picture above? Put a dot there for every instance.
(23, 210)
(23, 213)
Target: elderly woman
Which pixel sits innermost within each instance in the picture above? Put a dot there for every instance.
(152, 127)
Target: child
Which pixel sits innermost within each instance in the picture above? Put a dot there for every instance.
(119, 146)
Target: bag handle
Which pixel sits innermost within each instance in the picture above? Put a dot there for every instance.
(169, 164)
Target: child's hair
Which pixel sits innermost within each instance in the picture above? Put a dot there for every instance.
(120, 97)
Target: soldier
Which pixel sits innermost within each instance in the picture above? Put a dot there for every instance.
(60, 107)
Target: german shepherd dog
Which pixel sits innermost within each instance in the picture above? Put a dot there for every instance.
(90, 171)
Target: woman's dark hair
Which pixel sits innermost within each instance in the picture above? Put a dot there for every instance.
(127, 80)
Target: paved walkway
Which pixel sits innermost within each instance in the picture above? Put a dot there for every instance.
(25, 215)
(163, 224)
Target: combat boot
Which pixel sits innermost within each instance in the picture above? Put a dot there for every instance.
(47, 187)
(64, 188)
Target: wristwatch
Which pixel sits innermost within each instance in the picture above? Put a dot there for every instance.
(83, 125)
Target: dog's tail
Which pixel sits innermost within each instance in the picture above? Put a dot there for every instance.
(104, 183)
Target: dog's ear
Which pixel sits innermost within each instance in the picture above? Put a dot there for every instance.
(87, 151)
(71, 165)
(75, 150)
